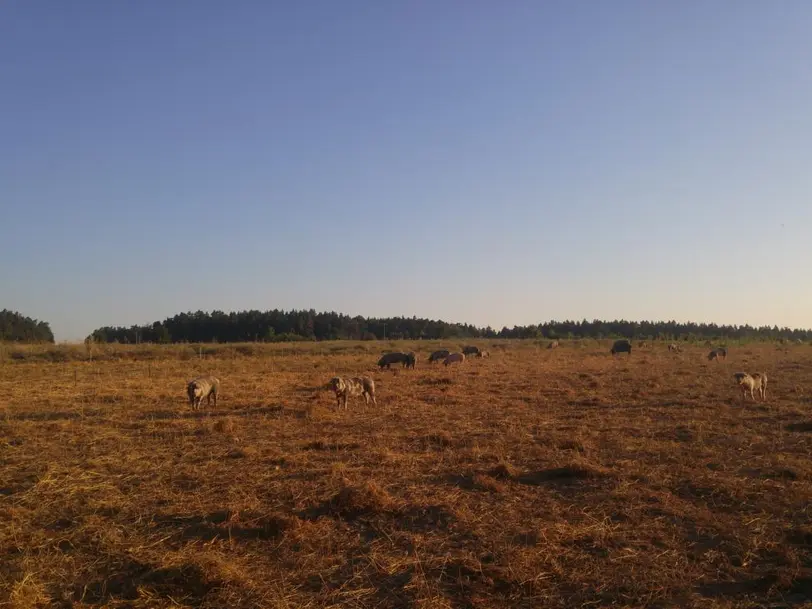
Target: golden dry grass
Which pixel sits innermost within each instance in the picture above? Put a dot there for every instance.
(534, 478)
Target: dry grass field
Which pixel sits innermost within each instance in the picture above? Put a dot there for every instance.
(534, 478)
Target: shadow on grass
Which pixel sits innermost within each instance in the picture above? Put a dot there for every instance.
(568, 474)
(123, 578)
(372, 505)
(331, 446)
(59, 415)
(278, 410)
(223, 524)
(797, 594)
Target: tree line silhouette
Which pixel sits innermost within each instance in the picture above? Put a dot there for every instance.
(15, 327)
(297, 325)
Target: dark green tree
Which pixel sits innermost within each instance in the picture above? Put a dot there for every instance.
(15, 327)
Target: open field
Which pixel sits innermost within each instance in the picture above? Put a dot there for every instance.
(534, 478)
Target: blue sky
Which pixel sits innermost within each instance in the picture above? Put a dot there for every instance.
(495, 163)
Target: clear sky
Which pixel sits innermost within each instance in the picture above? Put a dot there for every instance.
(490, 162)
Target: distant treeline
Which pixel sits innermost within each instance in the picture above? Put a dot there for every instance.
(278, 326)
(17, 328)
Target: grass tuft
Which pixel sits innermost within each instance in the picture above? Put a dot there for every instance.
(487, 483)
(224, 426)
(367, 499)
(503, 471)
(441, 438)
(28, 593)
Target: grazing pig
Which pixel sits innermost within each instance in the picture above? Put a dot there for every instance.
(753, 382)
(621, 346)
(553, 345)
(483, 354)
(717, 353)
(393, 358)
(674, 347)
(470, 350)
(203, 387)
(454, 357)
(411, 359)
(438, 355)
(352, 387)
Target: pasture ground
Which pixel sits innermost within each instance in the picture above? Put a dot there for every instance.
(535, 478)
